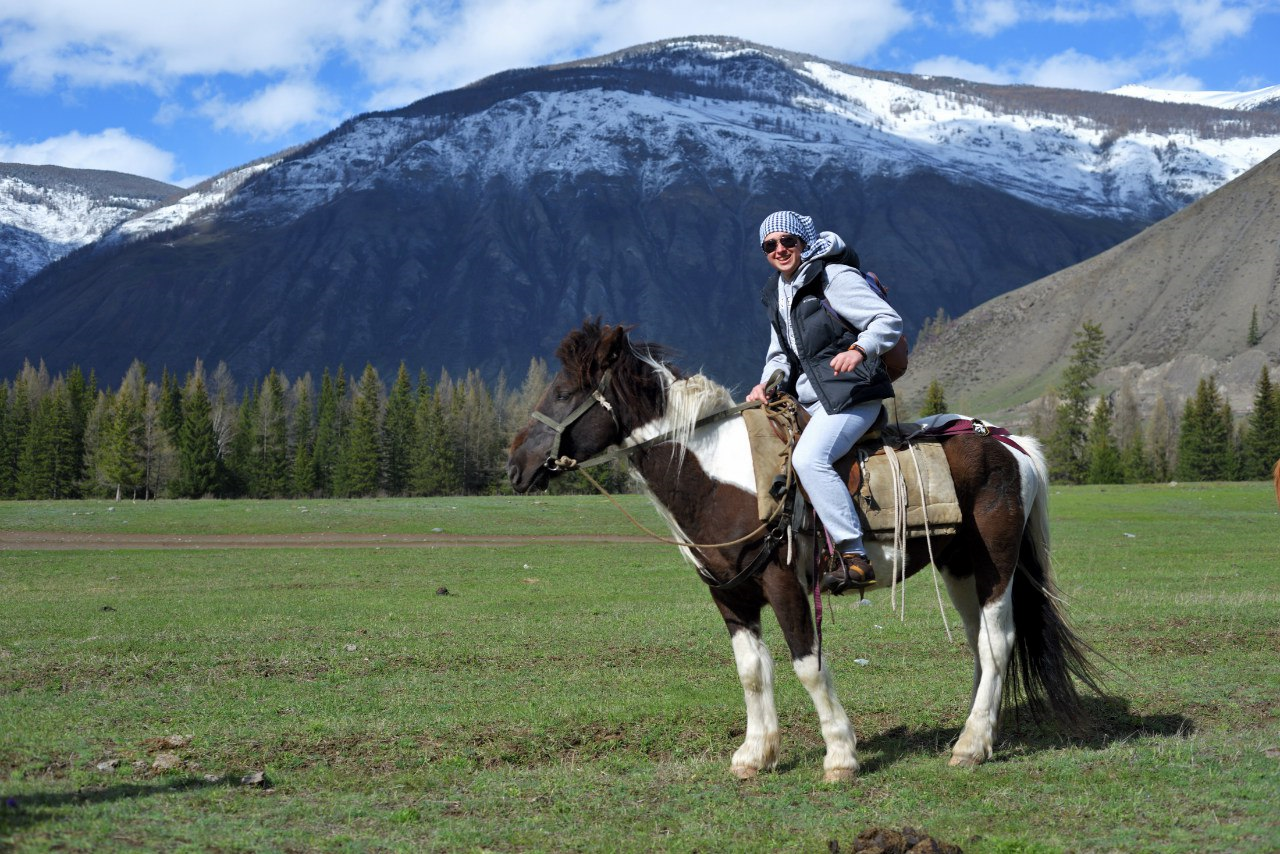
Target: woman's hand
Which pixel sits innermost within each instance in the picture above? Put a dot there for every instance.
(846, 360)
(757, 395)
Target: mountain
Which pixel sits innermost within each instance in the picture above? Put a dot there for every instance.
(47, 211)
(1175, 304)
(1258, 99)
(471, 229)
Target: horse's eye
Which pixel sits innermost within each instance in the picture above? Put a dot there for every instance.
(563, 395)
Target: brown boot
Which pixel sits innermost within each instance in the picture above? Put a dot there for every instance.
(855, 573)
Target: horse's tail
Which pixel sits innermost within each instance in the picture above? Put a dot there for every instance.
(1048, 656)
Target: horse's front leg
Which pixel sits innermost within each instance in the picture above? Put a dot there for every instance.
(791, 606)
(759, 750)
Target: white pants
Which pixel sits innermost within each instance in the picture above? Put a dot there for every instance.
(826, 439)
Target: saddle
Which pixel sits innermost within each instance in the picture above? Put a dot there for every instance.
(900, 486)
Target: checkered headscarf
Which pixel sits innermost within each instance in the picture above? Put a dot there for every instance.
(790, 222)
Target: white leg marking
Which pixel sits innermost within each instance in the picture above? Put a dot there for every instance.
(841, 763)
(995, 647)
(759, 751)
(964, 596)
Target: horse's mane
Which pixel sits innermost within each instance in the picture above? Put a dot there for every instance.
(645, 381)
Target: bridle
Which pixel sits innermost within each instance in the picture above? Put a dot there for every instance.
(556, 462)
(773, 528)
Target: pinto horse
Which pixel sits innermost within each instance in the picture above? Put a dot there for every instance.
(614, 392)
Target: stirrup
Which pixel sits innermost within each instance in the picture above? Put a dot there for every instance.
(855, 573)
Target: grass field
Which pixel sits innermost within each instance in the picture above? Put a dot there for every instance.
(570, 696)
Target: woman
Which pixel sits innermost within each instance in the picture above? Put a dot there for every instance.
(829, 328)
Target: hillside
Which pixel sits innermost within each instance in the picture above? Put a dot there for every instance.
(473, 228)
(48, 211)
(1174, 302)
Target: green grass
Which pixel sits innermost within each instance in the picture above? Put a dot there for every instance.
(466, 516)
(583, 697)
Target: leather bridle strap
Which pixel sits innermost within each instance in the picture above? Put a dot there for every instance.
(597, 396)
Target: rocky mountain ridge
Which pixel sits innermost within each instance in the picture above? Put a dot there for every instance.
(49, 211)
(474, 227)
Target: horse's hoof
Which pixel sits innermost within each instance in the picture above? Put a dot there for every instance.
(840, 775)
(964, 762)
(744, 772)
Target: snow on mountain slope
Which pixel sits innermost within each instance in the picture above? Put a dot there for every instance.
(1221, 100)
(46, 212)
(722, 107)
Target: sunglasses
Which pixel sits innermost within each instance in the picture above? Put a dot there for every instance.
(787, 242)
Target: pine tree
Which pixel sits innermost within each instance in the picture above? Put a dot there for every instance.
(1102, 455)
(1253, 339)
(8, 454)
(170, 404)
(272, 446)
(359, 473)
(303, 475)
(1162, 439)
(398, 435)
(1204, 443)
(80, 395)
(478, 436)
(1136, 463)
(240, 468)
(935, 402)
(1262, 441)
(124, 460)
(436, 469)
(199, 467)
(1066, 447)
(330, 430)
(47, 464)
(21, 412)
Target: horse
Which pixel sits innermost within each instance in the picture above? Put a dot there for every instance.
(613, 392)
(1276, 475)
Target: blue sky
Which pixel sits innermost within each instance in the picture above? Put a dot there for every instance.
(181, 94)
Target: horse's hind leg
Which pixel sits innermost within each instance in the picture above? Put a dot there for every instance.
(791, 607)
(989, 631)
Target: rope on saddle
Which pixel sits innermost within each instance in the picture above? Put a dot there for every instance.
(900, 534)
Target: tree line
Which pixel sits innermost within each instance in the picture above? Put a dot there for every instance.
(1109, 441)
(202, 436)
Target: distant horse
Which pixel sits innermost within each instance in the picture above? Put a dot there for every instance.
(613, 391)
(1276, 475)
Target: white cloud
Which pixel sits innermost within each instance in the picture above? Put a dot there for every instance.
(113, 149)
(954, 66)
(479, 39)
(987, 17)
(1067, 70)
(1074, 70)
(153, 43)
(276, 111)
(1205, 24)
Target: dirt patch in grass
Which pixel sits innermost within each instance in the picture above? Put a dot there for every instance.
(62, 541)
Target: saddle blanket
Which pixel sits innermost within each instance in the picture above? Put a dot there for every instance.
(884, 494)
(870, 473)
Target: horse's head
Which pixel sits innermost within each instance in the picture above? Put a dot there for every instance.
(590, 405)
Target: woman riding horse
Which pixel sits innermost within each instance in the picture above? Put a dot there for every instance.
(828, 329)
(613, 396)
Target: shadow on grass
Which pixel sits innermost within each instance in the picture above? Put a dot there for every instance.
(1106, 720)
(21, 811)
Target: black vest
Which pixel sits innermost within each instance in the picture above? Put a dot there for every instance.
(820, 335)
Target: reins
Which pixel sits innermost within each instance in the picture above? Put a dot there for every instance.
(772, 528)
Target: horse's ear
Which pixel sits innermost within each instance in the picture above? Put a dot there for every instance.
(612, 342)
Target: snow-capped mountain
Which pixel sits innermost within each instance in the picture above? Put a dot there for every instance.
(48, 211)
(735, 102)
(472, 228)
(1257, 99)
